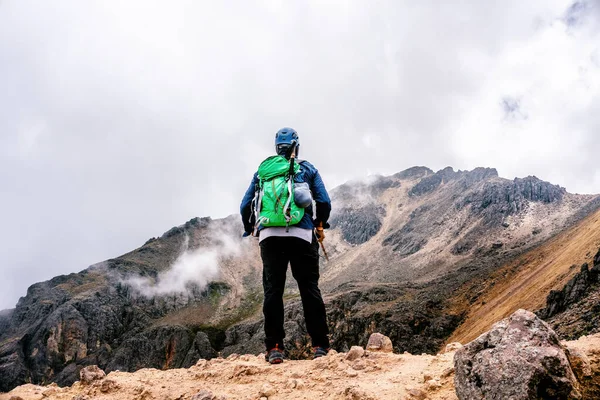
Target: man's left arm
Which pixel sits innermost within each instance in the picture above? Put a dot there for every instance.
(246, 206)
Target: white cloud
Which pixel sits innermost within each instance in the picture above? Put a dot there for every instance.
(159, 112)
(193, 267)
(552, 77)
(371, 141)
(29, 135)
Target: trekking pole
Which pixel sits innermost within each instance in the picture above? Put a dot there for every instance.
(321, 238)
(292, 157)
(291, 174)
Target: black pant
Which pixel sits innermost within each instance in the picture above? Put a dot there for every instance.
(303, 257)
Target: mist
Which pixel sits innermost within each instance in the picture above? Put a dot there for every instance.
(192, 270)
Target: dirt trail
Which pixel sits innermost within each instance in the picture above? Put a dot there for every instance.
(526, 281)
(374, 376)
(356, 375)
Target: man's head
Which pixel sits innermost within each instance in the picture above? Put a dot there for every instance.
(285, 138)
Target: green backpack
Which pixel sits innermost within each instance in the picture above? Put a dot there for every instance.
(275, 204)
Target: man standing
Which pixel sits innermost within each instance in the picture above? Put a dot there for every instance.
(294, 242)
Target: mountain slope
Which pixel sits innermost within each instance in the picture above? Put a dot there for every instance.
(525, 282)
(429, 223)
(401, 248)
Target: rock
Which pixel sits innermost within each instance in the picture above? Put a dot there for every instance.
(200, 349)
(405, 243)
(447, 372)
(580, 362)
(49, 392)
(89, 374)
(145, 395)
(517, 193)
(450, 347)
(203, 395)
(294, 384)
(519, 358)
(267, 390)
(247, 370)
(354, 393)
(463, 246)
(576, 289)
(358, 225)
(108, 386)
(416, 393)
(359, 365)
(15, 398)
(432, 385)
(413, 173)
(585, 370)
(354, 353)
(427, 185)
(379, 342)
(147, 349)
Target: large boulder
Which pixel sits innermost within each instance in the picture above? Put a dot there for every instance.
(90, 374)
(519, 358)
(379, 342)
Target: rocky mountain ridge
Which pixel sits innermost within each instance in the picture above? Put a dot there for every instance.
(519, 358)
(574, 310)
(400, 246)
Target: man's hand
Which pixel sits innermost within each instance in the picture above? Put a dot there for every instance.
(320, 234)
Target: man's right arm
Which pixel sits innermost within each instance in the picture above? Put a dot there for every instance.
(246, 206)
(322, 201)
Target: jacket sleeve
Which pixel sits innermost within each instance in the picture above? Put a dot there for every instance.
(246, 206)
(322, 200)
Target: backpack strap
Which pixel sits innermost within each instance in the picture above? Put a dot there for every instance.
(286, 208)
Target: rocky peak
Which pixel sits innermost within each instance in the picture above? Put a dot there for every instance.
(534, 189)
(431, 182)
(520, 190)
(413, 173)
(361, 191)
(499, 197)
(481, 174)
(194, 223)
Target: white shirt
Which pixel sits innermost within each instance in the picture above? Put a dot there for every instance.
(280, 231)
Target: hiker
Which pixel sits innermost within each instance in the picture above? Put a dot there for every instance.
(279, 210)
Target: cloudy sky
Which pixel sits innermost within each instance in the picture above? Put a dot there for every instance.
(121, 119)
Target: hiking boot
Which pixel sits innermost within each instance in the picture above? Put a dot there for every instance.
(274, 356)
(320, 352)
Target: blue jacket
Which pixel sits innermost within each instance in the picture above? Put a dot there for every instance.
(308, 173)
